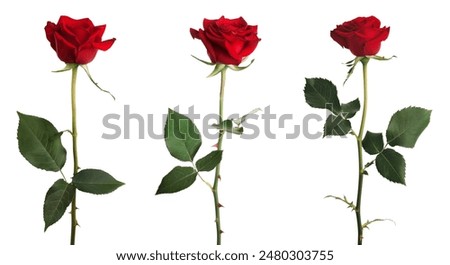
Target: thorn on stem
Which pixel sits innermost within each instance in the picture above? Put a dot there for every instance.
(220, 205)
(221, 231)
(219, 177)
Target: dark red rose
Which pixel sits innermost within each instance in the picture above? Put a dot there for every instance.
(362, 35)
(227, 41)
(76, 41)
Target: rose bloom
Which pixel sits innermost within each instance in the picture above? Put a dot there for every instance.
(227, 41)
(362, 35)
(76, 41)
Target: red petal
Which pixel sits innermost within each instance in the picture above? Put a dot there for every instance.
(373, 22)
(239, 22)
(224, 57)
(249, 47)
(98, 31)
(50, 33)
(68, 32)
(357, 45)
(373, 47)
(194, 33)
(104, 45)
(208, 45)
(75, 23)
(65, 50)
(234, 49)
(207, 22)
(340, 37)
(86, 56)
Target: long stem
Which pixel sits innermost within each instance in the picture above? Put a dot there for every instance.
(217, 177)
(359, 138)
(73, 211)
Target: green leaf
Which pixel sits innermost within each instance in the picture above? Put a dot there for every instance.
(336, 125)
(177, 180)
(40, 143)
(406, 126)
(391, 165)
(321, 93)
(182, 137)
(373, 143)
(350, 109)
(57, 199)
(210, 161)
(95, 181)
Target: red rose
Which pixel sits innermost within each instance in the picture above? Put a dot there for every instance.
(76, 41)
(362, 35)
(227, 41)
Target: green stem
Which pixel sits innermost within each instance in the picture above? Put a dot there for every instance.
(359, 138)
(73, 211)
(217, 177)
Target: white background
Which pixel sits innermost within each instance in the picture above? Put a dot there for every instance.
(272, 190)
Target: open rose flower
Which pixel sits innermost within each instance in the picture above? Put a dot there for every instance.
(362, 35)
(76, 41)
(227, 41)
